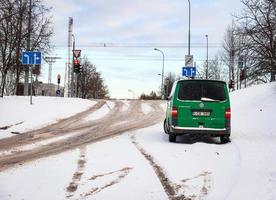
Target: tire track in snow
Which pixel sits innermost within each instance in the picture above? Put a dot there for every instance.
(87, 132)
(205, 188)
(167, 185)
(73, 185)
(122, 173)
(238, 170)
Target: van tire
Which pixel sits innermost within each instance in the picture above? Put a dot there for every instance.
(166, 128)
(224, 139)
(172, 138)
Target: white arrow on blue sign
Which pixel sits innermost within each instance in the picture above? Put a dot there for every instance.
(31, 58)
(189, 71)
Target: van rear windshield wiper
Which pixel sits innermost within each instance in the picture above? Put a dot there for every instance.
(208, 99)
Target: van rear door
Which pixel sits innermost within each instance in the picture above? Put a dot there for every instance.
(202, 104)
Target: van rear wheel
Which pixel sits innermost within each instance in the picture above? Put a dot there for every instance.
(224, 139)
(172, 138)
(166, 128)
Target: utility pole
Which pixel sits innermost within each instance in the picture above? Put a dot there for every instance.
(245, 72)
(69, 67)
(207, 59)
(72, 71)
(26, 81)
(232, 57)
(189, 33)
(50, 61)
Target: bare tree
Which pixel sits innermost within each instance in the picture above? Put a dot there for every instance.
(217, 70)
(14, 35)
(257, 24)
(7, 42)
(230, 51)
(91, 83)
(168, 84)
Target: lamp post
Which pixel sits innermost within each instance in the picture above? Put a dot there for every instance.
(162, 75)
(132, 93)
(189, 33)
(207, 59)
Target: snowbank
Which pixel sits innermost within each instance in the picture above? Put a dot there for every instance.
(17, 112)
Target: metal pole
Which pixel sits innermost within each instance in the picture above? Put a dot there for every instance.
(50, 60)
(207, 59)
(50, 73)
(162, 75)
(245, 75)
(69, 69)
(189, 33)
(31, 98)
(26, 81)
(72, 72)
(240, 81)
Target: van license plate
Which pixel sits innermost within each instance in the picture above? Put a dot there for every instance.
(200, 113)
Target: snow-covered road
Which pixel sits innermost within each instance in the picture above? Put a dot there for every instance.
(142, 164)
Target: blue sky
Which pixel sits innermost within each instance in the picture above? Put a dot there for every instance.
(137, 22)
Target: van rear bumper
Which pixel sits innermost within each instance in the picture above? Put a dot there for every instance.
(200, 131)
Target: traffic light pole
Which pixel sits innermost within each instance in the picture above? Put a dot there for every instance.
(72, 71)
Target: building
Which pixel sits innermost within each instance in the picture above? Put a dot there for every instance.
(48, 89)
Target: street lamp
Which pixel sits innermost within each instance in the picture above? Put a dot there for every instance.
(207, 59)
(132, 93)
(162, 75)
(189, 33)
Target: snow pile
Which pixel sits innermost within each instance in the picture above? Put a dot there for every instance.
(17, 115)
(254, 110)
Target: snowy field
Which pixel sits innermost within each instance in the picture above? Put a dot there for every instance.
(136, 165)
(20, 116)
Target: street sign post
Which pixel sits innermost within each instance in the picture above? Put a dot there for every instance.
(31, 58)
(189, 71)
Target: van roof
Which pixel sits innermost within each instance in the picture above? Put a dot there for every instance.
(184, 80)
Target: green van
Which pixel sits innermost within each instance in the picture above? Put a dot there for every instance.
(198, 107)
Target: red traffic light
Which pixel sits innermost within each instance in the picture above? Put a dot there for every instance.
(58, 78)
(76, 62)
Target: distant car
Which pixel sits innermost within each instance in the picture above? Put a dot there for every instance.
(200, 107)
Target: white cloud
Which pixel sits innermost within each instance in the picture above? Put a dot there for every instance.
(140, 21)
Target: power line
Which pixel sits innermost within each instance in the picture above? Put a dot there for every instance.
(138, 59)
(142, 45)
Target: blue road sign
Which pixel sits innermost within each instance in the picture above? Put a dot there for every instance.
(31, 58)
(189, 71)
(58, 93)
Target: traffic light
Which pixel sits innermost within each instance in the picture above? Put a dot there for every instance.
(58, 78)
(76, 66)
(81, 69)
(242, 74)
(231, 84)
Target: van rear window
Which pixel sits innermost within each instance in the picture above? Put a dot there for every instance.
(193, 90)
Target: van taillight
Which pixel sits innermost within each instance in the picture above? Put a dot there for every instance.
(228, 113)
(174, 112)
